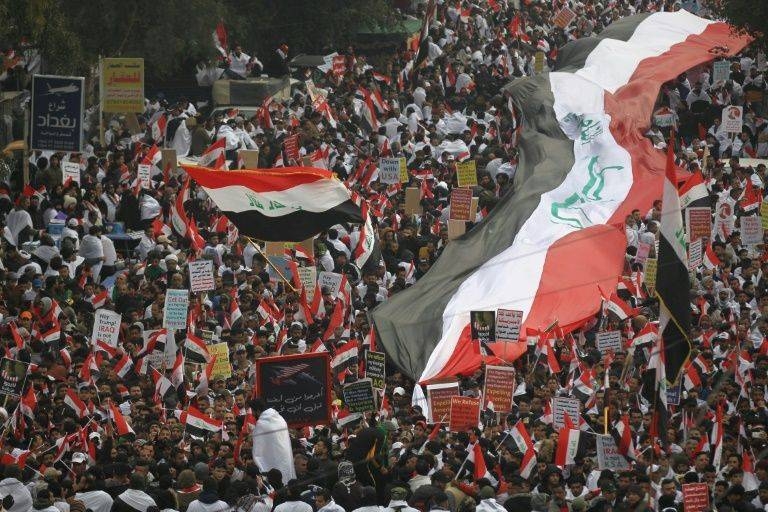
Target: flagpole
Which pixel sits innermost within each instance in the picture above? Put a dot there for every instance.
(279, 273)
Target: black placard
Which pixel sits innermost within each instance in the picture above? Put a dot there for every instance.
(296, 386)
(358, 396)
(375, 368)
(13, 375)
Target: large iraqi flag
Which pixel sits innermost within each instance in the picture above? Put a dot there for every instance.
(289, 205)
(584, 165)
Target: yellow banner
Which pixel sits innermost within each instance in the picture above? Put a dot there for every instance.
(122, 85)
(222, 367)
(764, 215)
(467, 173)
(651, 264)
(403, 171)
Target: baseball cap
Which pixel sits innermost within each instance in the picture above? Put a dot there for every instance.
(78, 458)
(26, 315)
(398, 391)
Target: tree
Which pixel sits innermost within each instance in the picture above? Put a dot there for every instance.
(750, 16)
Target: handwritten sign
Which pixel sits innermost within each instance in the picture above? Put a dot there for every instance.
(499, 387)
(508, 322)
(201, 277)
(751, 230)
(651, 264)
(439, 400)
(70, 172)
(358, 396)
(404, 170)
(564, 17)
(461, 204)
(467, 173)
(609, 340)
(56, 119)
(222, 369)
(330, 279)
(13, 375)
(464, 413)
(733, 119)
(696, 497)
(143, 173)
(296, 386)
(721, 70)
(308, 279)
(375, 368)
(698, 222)
(389, 170)
(608, 455)
(175, 310)
(564, 404)
(106, 327)
(122, 85)
(694, 254)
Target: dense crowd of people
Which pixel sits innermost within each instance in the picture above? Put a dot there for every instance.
(87, 434)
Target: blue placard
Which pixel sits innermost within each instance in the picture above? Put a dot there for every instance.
(674, 392)
(56, 121)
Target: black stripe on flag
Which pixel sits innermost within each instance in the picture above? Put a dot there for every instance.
(295, 226)
(673, 290)
(410, 323)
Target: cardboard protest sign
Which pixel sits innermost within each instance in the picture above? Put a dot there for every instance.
(106, 327)
(359, 397)
(733, 119)
(168, 159)
(651, 264)
(330, 279)
(175, 310)
(751, 230)
(609, 340)
(412, 201)
(439, 400)
(389, 170)
(698, 222)
(461, 201)
(296, 386)
(456, 228)
(467, 173)
(13, 375)
(538, 63)
(122, 85)
(564, 17)
(696, 497)
(695, 254)
(201, 278)
(565, 404)
(375, 368)
(499, 387)
(70, 172)
(608, 456)
(483, 326)
(143, 173)
(508, 322)
(464, 413)
(721, 70)
(222, 368)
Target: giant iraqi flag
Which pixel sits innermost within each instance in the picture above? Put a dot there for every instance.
(584, 165)
(289, 205)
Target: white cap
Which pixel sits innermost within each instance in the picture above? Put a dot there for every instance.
(398, 391)
(78, 458)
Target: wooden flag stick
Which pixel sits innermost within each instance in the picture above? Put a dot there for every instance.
(279, 273)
